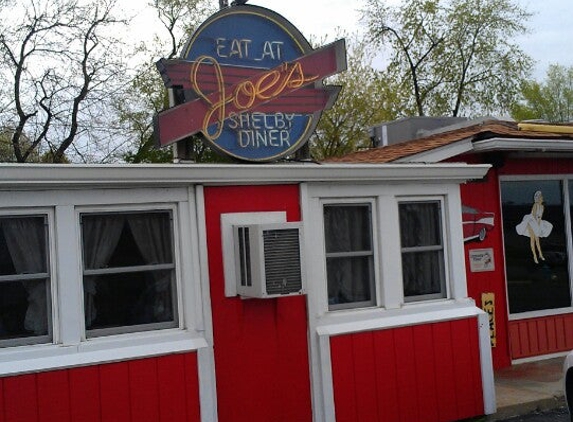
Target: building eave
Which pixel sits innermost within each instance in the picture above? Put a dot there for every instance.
(46, 176)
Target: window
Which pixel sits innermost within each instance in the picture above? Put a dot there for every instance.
(349, 255)
(422, 249)
(128, 272)
(535, 241)
(25, 299)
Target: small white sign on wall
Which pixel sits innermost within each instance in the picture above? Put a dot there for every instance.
(481, 260)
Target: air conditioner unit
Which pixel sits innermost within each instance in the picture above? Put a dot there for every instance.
(268, 260)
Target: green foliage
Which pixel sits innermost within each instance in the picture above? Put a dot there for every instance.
(452, 57)
(550, 100)
(147, 95)
(365, 99)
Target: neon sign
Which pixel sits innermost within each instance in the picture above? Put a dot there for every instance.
(253, 86)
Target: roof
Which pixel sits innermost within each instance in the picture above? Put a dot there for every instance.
(517, 136)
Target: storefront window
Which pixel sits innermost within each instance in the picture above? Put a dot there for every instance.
(535, 245)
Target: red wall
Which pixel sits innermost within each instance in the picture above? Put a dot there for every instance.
(427, 373)
(484, 196)
(154, 389)
(261, 345)
(515, 339)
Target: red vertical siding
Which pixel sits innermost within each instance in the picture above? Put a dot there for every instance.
(261, 345)
(428, 373)
(541, 336)
(484, 195)
(155, 389)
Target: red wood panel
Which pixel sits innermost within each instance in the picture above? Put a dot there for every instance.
(21, 399)
(85, 400)
(445, 378)
(386, 375)
(426, 373)
(192, 387)
(171, 395)
(53, 396)
(262, 345)
(143, 390)
(541, 336)
(154, 389)
(365, 375)
(405, 365)
(343, 381)
(2, 405)
(114, 392)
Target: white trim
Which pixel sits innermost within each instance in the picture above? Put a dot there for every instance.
(538, 314)
(25, 359)
(540, 358)
(227, 241)
(207, 375)
(486, 361)
(523, 144)
(45, 176)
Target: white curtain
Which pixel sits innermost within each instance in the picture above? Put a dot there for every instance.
(26, 242)
(101, 234)
(152, 236)
(348, 229)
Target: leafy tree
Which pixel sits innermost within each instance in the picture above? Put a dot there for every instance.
(146, 95)
(452, 57)
(550, 100)
(365, 99)
(60, 64)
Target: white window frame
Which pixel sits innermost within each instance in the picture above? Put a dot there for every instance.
(374, 289)
(47, 213)
(176, 283)
(445, 283)
(69, 346)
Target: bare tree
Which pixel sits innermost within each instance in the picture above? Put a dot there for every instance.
(61, 64)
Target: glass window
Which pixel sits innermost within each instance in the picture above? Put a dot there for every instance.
(422, 249)
(24, 281)
(534, 237)
(129, 272)
(349, 255)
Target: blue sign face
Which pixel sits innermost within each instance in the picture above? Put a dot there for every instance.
(235, 44)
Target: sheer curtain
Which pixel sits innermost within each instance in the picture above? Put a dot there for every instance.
(348, 230)
(152, 235)
(26, 241)
(101, 234)
(420, 227)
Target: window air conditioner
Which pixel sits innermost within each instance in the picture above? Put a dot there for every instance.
(268, 260)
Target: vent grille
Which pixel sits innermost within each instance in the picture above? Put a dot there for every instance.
(245, 257)
(283, 273)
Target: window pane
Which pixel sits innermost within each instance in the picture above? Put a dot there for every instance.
(349, 255)
(24, 286)
(423, 273)
(122, 289)
(349, 280)
(535, 245)
(123, 300)
(124, 240)
(23, 245)
(420, 224)
(423, 261)
(347, 228)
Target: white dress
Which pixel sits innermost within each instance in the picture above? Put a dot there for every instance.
(539, 227)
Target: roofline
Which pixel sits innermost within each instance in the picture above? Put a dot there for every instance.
(439, 154)
(512, 144)
(53, 176)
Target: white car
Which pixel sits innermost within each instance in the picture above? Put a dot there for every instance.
(568, 378)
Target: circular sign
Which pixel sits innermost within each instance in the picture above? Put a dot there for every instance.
(247, 43)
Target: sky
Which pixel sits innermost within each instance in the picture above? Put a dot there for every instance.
(549, 42)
